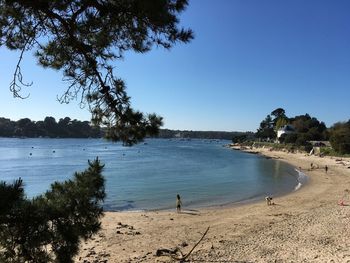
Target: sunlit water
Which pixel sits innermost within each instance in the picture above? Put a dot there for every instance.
(149, 175)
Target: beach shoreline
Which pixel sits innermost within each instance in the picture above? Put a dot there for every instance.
(306, 225)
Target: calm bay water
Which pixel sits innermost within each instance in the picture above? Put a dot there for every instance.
(149, 175)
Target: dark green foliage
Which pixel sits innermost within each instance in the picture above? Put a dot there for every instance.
(328, 151)
(269, 126)
(302, 139)
(9, 195)
(7, 127)
(266, 129)
(340, 137)
(280, 118)
(221, 135)
(307, 128)
(278, 113)
(82, 38)
(239, 138)
(49, 227)
(65, 128)
(282, 138)
(288, 138)
(307, 147)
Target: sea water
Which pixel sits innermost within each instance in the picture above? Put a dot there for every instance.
(149, 175)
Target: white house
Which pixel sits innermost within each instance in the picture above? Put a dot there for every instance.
(286, 129)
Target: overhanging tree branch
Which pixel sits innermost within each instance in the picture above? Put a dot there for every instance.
(83, 37)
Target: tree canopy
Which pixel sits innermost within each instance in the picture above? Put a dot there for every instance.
(340, 137)
(306, 128)
(266, 129)
(64, 128)
(82, 38)
(310, 128)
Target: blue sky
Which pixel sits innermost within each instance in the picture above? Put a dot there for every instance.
(248, 58)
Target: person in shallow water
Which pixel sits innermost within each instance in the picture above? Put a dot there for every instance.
(178, 203)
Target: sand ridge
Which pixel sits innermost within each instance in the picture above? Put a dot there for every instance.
(307, 225)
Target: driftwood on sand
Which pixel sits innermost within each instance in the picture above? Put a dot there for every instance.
(176, 254)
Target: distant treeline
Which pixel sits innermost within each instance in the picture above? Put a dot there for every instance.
(68, 128)
(64, 128)
(166, 133)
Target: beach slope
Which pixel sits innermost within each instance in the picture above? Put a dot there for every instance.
(307, 225)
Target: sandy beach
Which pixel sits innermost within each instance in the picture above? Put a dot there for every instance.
(307, 225)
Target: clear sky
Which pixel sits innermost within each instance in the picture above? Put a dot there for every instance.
(248, 58)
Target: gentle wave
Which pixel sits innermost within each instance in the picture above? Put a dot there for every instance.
(302, 179)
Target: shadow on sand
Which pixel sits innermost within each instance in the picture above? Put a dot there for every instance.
(190, 212)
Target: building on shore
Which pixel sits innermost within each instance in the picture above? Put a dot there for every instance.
(286, 129)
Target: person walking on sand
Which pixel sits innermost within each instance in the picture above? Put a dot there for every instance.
(178, 203)
(326, 168)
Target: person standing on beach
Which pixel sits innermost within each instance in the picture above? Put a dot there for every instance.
(326, 168)
(178, 203)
